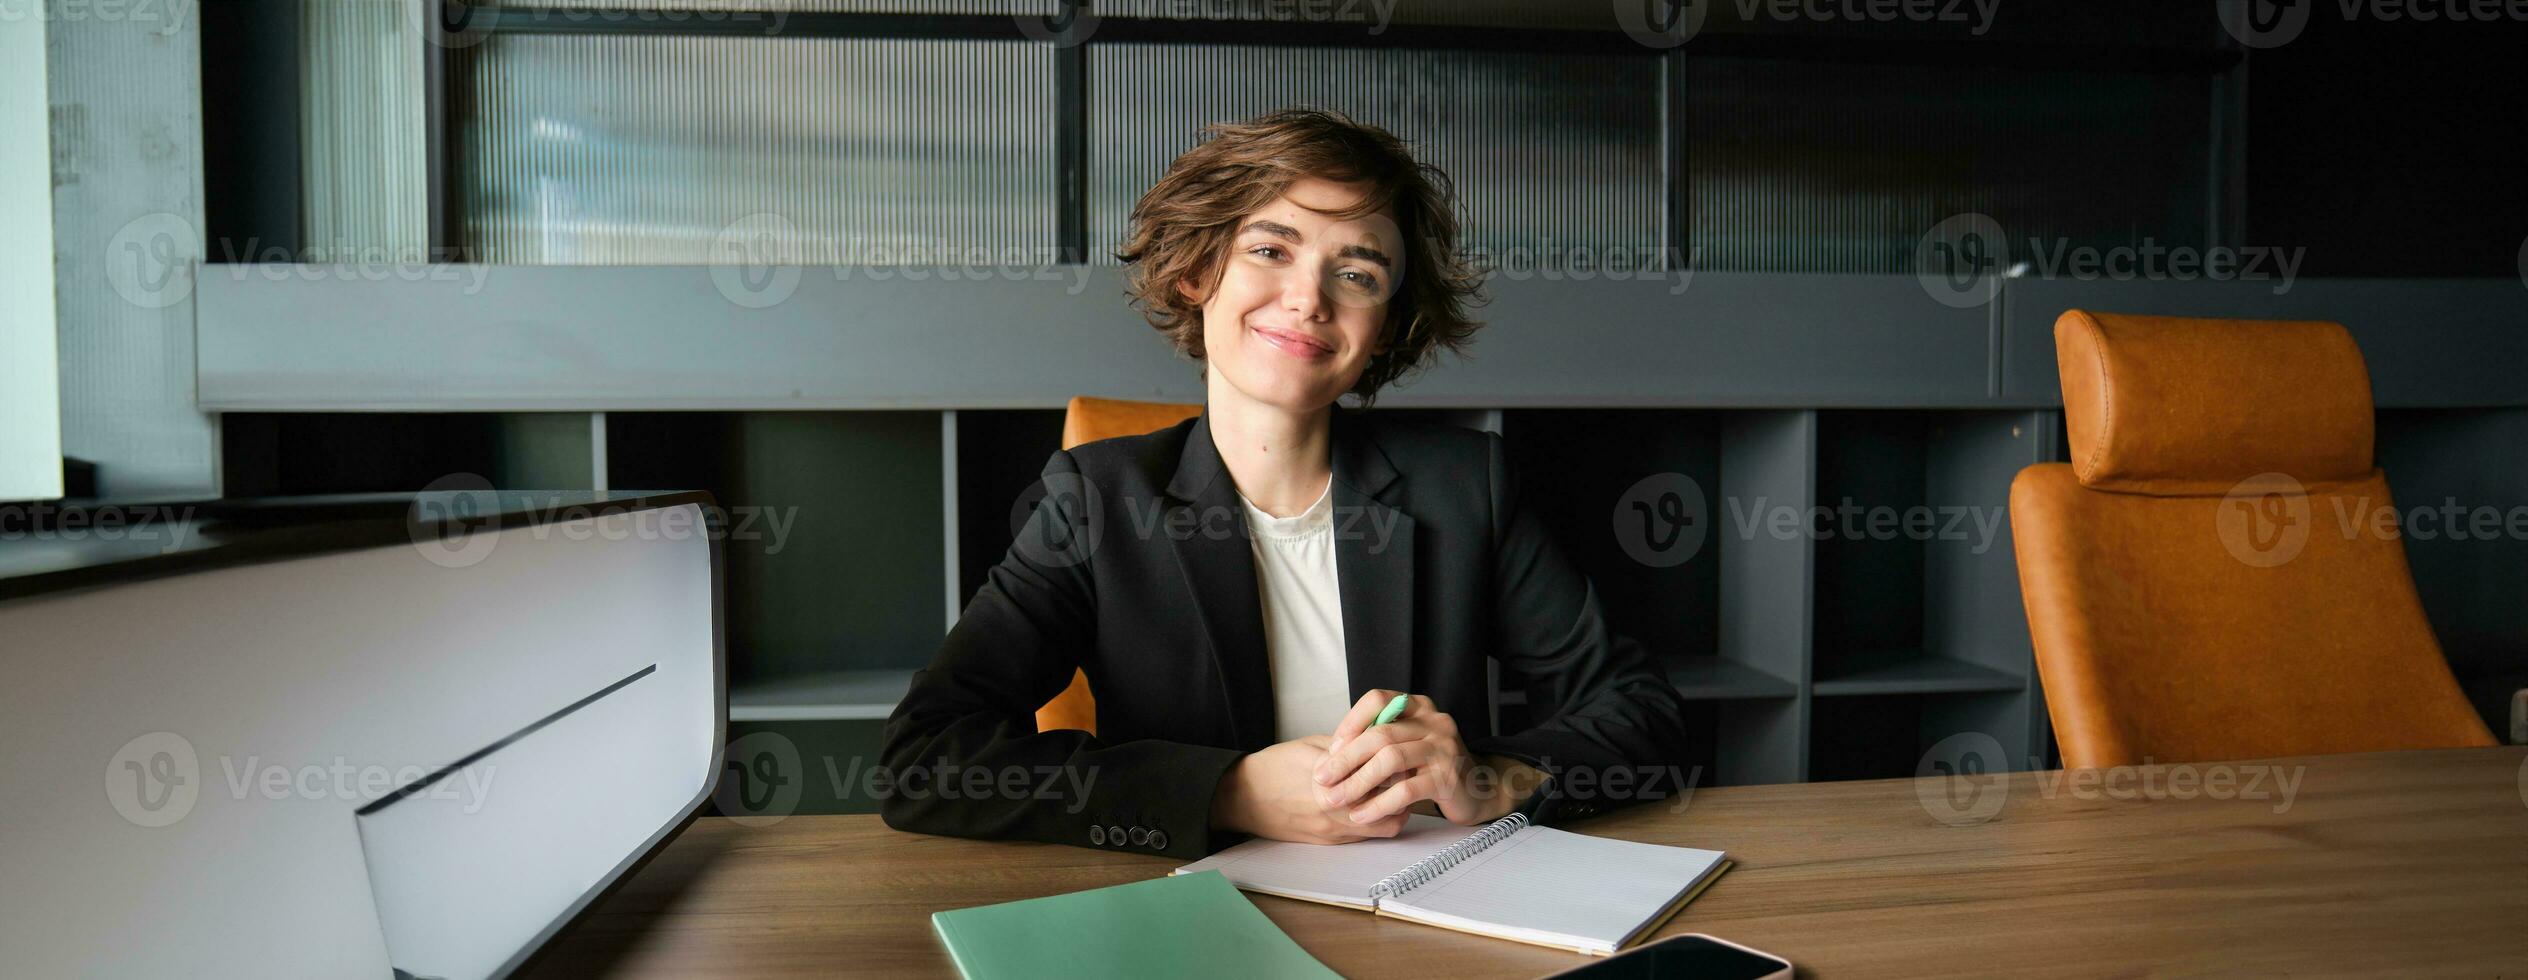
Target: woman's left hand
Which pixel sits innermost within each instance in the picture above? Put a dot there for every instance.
(1418, 756)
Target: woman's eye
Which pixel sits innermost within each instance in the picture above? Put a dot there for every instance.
(1359, 279)
(1267, 251)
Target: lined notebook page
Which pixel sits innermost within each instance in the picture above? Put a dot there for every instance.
(1546, 883)
(1339, 873)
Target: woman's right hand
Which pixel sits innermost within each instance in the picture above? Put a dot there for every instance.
(1274, 793)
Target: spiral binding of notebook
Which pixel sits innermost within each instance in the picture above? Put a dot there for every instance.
(1448, 857)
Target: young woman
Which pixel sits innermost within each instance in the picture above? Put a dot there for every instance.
(1246, 591)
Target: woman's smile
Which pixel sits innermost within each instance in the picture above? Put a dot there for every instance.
(1293, 343)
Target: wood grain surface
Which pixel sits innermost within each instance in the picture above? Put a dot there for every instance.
(2403, 863)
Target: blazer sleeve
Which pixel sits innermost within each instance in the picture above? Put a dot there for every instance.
(973, 710)
(1602, 701)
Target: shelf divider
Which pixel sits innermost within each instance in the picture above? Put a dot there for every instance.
(1767, 590)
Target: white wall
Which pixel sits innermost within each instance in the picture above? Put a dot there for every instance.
(30, 397)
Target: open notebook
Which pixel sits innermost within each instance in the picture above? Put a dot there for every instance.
(1508, 880)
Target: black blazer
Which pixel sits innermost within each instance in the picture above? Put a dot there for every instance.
(1137, 568)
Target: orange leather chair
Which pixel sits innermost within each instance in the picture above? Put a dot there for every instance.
(1089, 420)
(2217, 574)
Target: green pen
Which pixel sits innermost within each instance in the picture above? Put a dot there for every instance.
(1393, 711)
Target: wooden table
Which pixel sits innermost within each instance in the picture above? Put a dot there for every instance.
(2404, 863)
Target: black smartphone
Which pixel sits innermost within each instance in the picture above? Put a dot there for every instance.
(1692, 956)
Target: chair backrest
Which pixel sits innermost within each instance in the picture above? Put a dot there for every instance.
(1089, 420)
(2217, 573)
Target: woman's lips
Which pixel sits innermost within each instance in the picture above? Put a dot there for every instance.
(1293, 344)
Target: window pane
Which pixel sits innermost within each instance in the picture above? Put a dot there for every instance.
(639, 148)
(771, 8)
(366, 190)
(1815, 167)
(1547, 152)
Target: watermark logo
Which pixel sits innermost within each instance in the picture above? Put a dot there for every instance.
(149, 261)
(941, 779)
(447, 520)
(1962, 260)
(2264, 23)
(760, 260)
(463, 24)
(1072, 23)
(1662, 520)
(1058, 521)
(453, 521)
(2153, 782)
(760, 780)
(1360, 282)
(347, 261)
(1851, 520)
(169, 525)
(2264, 520)
(154, 780)
(1661, 24)
(1964, 779)
(1556, 261)
(2274, 23)
(746, 261)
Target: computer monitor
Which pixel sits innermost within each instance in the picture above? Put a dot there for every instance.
(415, 741)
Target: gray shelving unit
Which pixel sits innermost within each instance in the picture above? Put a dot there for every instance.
(1802, 656)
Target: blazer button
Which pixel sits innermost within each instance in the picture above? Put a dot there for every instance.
(1158, 840)
(1097, 835)
(1140, 836)
(1115, 835)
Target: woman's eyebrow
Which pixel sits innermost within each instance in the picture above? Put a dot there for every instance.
(1286, 232)
(1273, 228)
(1364, 252)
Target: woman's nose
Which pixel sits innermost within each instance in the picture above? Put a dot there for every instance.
(1303, 292)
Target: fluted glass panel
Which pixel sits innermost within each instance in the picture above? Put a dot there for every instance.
(1374, 14)
(1817, 167)
(727, 7)
(1548, 152)
(649, 148)
(365, 187)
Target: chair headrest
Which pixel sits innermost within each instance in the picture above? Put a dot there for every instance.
(2179, 406)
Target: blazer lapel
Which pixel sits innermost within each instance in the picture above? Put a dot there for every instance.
(1208, 530)
(1373, 561)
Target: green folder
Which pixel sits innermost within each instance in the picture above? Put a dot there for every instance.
(1184, 926)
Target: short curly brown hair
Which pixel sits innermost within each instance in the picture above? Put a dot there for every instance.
(1182, 227)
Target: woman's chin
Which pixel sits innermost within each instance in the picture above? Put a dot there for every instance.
(1291, 391)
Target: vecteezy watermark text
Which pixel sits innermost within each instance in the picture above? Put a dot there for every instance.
(171, 527)
(2274, 23)
(1964, 780)
(156, 779)
(448, 520)
(2266, 520)
(1962, 261)
(1668, 23)
(1062, 519)
(758, 261)
(1663, 520)
(1559, 261)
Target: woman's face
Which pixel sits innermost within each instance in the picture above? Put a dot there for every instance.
(1302, 296)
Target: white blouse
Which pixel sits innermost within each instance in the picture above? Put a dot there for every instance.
(1303, 616)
